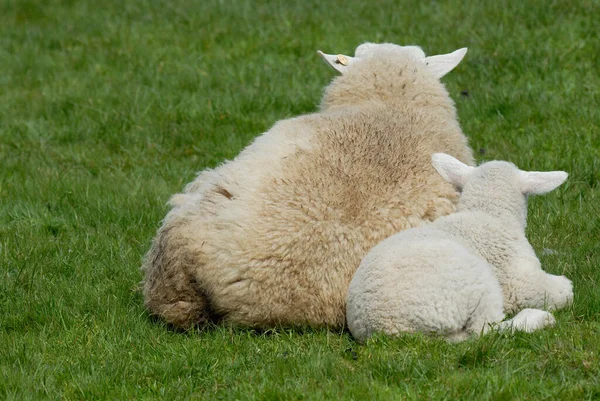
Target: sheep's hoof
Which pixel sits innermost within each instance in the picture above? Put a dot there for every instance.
(183, 315)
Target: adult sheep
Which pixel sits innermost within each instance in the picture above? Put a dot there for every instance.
(275, 236)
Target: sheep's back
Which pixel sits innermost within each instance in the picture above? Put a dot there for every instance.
(287, 222)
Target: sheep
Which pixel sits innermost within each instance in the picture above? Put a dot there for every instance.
(460, 274)
(274, 236)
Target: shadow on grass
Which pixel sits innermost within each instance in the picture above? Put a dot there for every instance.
(270, 332)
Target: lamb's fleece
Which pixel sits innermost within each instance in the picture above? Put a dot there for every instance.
(462, 272)
(274, 236)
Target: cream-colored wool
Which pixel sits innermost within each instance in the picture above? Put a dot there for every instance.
(275, 235)
(458, 275)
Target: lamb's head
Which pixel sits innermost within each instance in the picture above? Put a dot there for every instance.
(496, 187)
(386, 72)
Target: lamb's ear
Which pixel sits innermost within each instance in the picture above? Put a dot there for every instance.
(537, 183)
(442, 64)
(339, 62)
(451, 169)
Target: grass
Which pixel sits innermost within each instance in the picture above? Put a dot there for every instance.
(107, 108)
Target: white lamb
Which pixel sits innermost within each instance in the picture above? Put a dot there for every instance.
(274, 236)
(461, 273)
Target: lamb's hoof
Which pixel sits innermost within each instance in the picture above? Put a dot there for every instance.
(562, 294)
(529, 320)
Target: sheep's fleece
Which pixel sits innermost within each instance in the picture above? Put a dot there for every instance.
(275, 235)
(461, 273)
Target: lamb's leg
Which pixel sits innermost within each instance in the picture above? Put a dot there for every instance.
(528, 320)
(559, 290)
(527, 286)
(487, 311)
(170, 291)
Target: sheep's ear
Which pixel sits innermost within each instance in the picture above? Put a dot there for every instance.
(451, 169)
(537, 183)
(442, 64)
(339, 62)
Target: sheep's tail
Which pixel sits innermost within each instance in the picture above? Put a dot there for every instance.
(170, 290)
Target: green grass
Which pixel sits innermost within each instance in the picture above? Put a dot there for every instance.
(107, 108)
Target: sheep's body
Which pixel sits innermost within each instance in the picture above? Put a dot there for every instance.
(460, 273)
(274, 236)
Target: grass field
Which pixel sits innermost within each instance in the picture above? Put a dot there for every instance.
(108, 108)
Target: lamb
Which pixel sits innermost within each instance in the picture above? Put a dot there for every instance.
(460, 274)
(274, 236)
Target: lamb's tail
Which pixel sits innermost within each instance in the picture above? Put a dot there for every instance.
(171, 292)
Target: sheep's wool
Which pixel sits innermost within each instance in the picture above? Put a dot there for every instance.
(275, 235)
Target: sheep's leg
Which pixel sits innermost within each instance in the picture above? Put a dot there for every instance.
(528, 320)
(170, 291)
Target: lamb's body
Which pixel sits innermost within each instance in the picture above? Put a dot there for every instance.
(274, 236)
(455, 276)
(410, 284)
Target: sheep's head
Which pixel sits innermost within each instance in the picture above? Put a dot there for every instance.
(496, 187)
(391, 74)
(438, 65)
